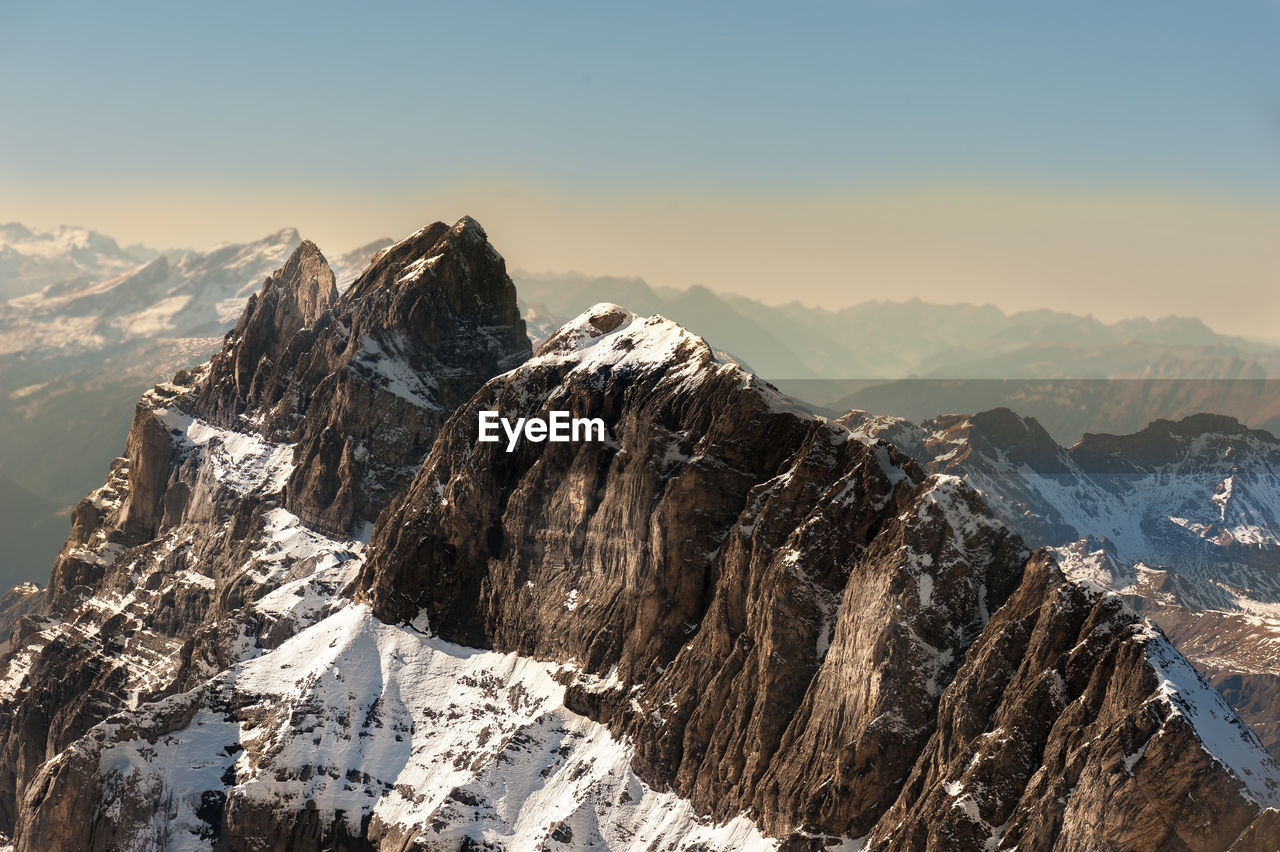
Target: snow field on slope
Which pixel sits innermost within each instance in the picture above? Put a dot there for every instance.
(638, 343)
(1220, 730)
(431, 737)
(243, 461)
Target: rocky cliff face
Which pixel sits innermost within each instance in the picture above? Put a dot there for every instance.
(1182, 518)
(818, 625)
(1072, 724)
(171, 568)
(730, 565)
(362, 388)
(728, 624)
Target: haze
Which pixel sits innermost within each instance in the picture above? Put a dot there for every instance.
(1114, 159)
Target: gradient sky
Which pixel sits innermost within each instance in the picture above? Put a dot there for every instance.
(1118, 158)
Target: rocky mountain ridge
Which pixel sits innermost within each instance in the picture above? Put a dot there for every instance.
(707, 727)
(729, 625)
(1182, 518)
(32, 259)
(76, 353)
(83, 341)
(187, 559)
(882, 339)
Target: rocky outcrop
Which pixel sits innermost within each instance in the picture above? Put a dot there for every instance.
(1261, 833)
(1162, 443)
(720, 620)
(1072, 724)
(908, 611)
(1180, 518)
(175, 568)
(1201, 489)
(1012, 460)
(253, 371)
(689, 437)
(361, 383)
(821, 592)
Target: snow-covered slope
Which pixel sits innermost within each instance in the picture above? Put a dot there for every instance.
(75, 353)
(406, 737)
(199, 294)
(729, 625)
(1202, 490)
(31, 259)
(1182, 518)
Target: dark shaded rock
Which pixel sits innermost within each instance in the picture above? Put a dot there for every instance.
(734, 563)
(1052, 736)
(361, 383)
(154, 590)
(1161, 443)
(255, 366)
(1261, 834)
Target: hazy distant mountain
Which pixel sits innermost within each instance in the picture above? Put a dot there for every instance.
(884, 340)
(730, 626)
(29, 527)
(197, 295)
(768, 353)
(917, 360)
(1074, 389)
(30, 260)
(75, 354)
(891, 340)
(347, 266)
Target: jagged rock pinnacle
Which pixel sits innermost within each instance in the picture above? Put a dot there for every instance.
(307, 280)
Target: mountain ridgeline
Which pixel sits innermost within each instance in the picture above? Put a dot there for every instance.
(86, 326)
(309, 609)
(1181, 518)
(1075, 374)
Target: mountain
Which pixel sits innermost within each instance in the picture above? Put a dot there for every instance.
(31, 260)
(1181, 518)
(776, 645)
(893, 340)
(75, 355)
(347, 267)
(1073, 389)
(377, 366)
(310, 609)
(755, 343)
(76, 352)
(194, 296)
(917, 360)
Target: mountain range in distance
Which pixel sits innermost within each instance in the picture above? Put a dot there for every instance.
(88, 325)
(86, 328)
(308, 609)
(31, 260)
(1075, 374)
(876, 340)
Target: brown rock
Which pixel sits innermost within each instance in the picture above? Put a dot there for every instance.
(1051, 736)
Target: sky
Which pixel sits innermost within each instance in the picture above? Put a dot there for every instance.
(1115, 158)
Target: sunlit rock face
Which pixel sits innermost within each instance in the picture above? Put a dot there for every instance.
(309, 608)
